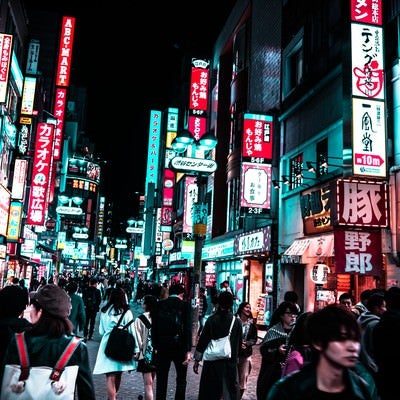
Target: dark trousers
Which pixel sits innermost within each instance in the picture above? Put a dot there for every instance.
(89, 324)
(163, 367)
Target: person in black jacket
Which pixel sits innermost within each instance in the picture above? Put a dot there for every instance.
(220, 378)
(334, 334)
(92, 298)
(172, 341)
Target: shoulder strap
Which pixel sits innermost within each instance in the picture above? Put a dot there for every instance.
(57, 370)
(23, 356)
(145, 320)
(126, 326)
(121, 318)
(64, 358)
(233, 321)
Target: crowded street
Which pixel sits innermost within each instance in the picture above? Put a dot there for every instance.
(132, 383)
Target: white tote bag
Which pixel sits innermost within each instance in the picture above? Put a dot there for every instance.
(219, 349)
(23, 382)
(38, 386)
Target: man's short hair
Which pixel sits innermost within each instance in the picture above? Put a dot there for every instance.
(176, 289)
(375, 300)
(332, 323)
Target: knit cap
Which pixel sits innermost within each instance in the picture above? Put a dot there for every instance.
(54, 300)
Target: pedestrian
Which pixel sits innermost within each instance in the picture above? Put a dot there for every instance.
(292, 297)
(92, 298)
(203, 306)
(335, 338)
(386, 346)
(219, 378)
(25, 289)
(144, 340)
(12, 306)
(273, 348)
(346, 300)
(109, 316)
(164, 292)
(250, 336)
(78, 313)
(376, 306)
(298, 351)
(172, 341)
(361, 306)
(50, 334)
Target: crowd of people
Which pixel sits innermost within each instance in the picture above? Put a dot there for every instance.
(344, 350)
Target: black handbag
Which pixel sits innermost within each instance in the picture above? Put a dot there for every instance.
(121, 343)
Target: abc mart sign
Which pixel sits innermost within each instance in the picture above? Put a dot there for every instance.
(189, 164)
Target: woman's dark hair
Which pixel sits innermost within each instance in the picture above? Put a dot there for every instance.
(71, 287)
(332, 323)
(225, 301)
(280, 311)
(151, 303)
(241, 307)
(291, 296)
(50, 325)
(117, 300)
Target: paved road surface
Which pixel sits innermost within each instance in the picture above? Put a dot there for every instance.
(132, 383)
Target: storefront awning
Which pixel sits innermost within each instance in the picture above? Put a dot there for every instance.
(294, 253)
(302, 250)
(321, 246)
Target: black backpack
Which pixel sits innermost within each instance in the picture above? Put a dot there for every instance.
(168, 324)
(90, 299)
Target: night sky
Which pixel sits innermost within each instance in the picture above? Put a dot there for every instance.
(130, 62)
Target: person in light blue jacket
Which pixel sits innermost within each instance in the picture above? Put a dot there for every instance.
(109, 316)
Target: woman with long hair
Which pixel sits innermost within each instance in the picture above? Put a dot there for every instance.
(143, 335)
(250, 334)
(109, 316)
(50, 334)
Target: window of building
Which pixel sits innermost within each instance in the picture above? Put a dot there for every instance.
(322, 155)
(292, 64)
(296, 168)
(239, 52)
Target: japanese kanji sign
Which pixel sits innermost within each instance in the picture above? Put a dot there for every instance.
(360, 203)
(257, 136)
(367, 11)
(367, 61)
(41, 174)
(256, 185)
(358, 252)
(369, 138)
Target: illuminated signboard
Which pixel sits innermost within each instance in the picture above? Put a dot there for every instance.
(28, 95)
(65, 51)
(255, 185)
(40, 175)
(5, 56)
(257, 136)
